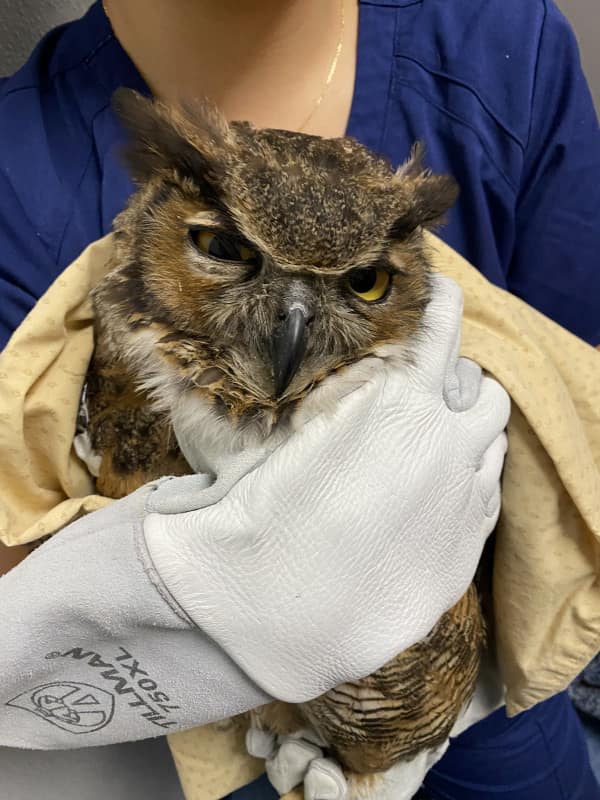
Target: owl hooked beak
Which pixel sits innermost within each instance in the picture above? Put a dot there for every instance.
(289, 345)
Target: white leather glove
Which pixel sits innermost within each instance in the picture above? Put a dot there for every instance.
(347, 543)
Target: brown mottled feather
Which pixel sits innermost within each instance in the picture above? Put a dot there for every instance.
(137, 444)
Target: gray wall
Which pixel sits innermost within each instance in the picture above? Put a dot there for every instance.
(23, 22)
(584, 16)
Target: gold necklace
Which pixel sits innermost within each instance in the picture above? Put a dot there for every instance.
(332, 67)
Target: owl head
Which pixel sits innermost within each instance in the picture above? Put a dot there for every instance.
(250, 264)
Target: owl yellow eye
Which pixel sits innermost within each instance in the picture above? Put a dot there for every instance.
(369, 284)
(223, 247)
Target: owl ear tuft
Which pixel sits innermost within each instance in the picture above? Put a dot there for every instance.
(187, 139)
(425, 197)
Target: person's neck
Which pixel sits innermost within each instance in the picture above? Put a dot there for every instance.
(265, 61)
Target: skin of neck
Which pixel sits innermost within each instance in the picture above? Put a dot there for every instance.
(265, 61)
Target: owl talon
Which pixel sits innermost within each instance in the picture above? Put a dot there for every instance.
(260, 744)
(324, 780)
(288, 768)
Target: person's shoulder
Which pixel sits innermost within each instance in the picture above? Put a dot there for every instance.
(55, 87)
(493, 27)
(48, 109)
(59, 67)
(490, 50)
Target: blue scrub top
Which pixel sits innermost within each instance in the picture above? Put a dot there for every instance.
(494, 88)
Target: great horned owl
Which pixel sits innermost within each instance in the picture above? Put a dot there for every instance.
(249, 266)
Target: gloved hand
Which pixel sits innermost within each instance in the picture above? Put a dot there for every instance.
(349, 541)
(94, 651)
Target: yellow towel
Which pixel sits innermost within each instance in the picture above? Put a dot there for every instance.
(546, 587)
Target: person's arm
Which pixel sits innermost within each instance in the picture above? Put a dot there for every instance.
(27, 262)
(11, 556)
(556, 266)
(92, 651)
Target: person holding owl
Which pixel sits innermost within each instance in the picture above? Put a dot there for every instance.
(496, 91)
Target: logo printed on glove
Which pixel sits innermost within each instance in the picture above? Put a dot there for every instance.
(69, 705)
(127, 680)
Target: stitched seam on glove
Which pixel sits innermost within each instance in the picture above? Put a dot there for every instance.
(153, 575)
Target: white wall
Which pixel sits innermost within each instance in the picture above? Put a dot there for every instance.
(23, 22)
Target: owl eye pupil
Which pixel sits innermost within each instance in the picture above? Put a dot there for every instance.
(369, 284)
(223, 249)
(363, 280)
